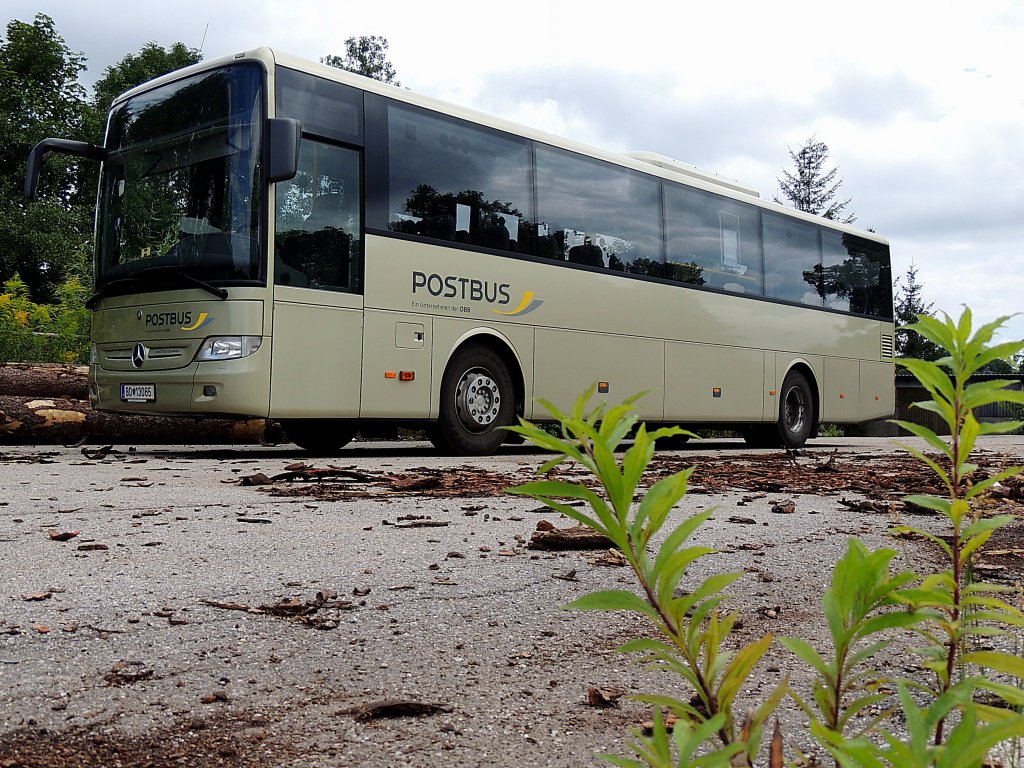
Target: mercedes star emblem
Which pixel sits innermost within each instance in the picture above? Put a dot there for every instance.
(139, 355)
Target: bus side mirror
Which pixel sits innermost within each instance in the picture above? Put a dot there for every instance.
(45, 147)
(282, 137)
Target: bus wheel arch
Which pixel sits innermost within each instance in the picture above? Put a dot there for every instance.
(481, 391)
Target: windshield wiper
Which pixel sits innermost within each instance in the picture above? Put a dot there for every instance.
(220, 293)
(140, 277)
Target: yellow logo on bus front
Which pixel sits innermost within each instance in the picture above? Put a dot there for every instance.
(203, 318)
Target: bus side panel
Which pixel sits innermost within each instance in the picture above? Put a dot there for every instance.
(396, 343)
(567, 362)
(704, 382)
(877, 390)
(317, 354)
(840, 390)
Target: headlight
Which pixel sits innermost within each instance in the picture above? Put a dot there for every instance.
(228, 347)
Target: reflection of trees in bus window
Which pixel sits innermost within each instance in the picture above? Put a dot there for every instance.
(456, 182)
(465, 217)
(852, 276)
(318, 220)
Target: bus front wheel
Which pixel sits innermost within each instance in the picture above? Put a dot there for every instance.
(477, 400)
(321, 437)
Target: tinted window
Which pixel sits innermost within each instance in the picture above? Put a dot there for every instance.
(325, 108)
(453, 181)
(792, 260)
(856, 275)
(318, 221)
(712, 240)
(597, 214)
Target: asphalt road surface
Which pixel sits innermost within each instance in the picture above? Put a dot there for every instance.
(249, 606)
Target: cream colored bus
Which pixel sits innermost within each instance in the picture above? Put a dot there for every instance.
(281, 239)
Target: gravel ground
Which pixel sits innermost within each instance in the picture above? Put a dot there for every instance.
(387, 626)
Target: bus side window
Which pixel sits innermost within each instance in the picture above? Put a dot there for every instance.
(318, 220)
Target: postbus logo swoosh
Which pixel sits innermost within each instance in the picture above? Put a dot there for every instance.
(203, 319)
(526, 306)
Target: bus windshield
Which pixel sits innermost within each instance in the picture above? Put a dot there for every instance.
(180, 192)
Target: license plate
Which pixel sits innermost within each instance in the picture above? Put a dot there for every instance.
(138, 393)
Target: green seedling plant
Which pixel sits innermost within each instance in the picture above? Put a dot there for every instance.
(960, 609)
(865, 605)
(690, 629)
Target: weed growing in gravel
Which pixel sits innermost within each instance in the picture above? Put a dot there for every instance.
(863, 606)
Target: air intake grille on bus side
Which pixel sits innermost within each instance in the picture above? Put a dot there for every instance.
(887, 346)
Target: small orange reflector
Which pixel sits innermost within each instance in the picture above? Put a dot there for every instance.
(406, 375)
(771, 392)
(716, 392)
(878, 397)
(842, 396)
(390, 375)
(603, 387)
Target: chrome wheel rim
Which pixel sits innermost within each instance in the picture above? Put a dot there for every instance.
(795, 410)
(477, 400)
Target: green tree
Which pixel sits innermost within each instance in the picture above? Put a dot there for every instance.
(151, 61)
(810, 188)
(45, 240)
(365, 55)
(909, 305)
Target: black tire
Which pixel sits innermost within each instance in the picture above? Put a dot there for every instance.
(477, 400)
(321, 437)
(796, 410)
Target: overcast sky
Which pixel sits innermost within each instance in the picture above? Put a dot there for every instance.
(920, 103)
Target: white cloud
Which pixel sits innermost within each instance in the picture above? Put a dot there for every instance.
(920, 102)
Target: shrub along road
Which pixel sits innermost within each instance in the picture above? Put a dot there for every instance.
(248, 606)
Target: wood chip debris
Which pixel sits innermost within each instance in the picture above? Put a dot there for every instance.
(392, 708)
(548, 537)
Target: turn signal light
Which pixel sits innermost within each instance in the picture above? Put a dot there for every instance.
(406, 375)
(390, 375)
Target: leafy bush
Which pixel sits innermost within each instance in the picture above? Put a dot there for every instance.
(56, 333)
(863, 607)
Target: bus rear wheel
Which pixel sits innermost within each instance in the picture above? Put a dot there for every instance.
(321, 437)
(796, 410)
(477, 400)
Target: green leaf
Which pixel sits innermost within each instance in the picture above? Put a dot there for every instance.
(675, 539)
(929, 461)
(931, 376)
(805, 651)
(1001, 662)
(647, 645)
(659, 501)
(999, 427)
(739, 670)
(925, 434)
(614, 600)
(934, 503)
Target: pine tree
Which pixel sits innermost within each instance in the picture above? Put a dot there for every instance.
(811, 190)
(908, 305)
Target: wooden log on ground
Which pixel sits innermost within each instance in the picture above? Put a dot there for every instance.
(62, 421)
(45, 380)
